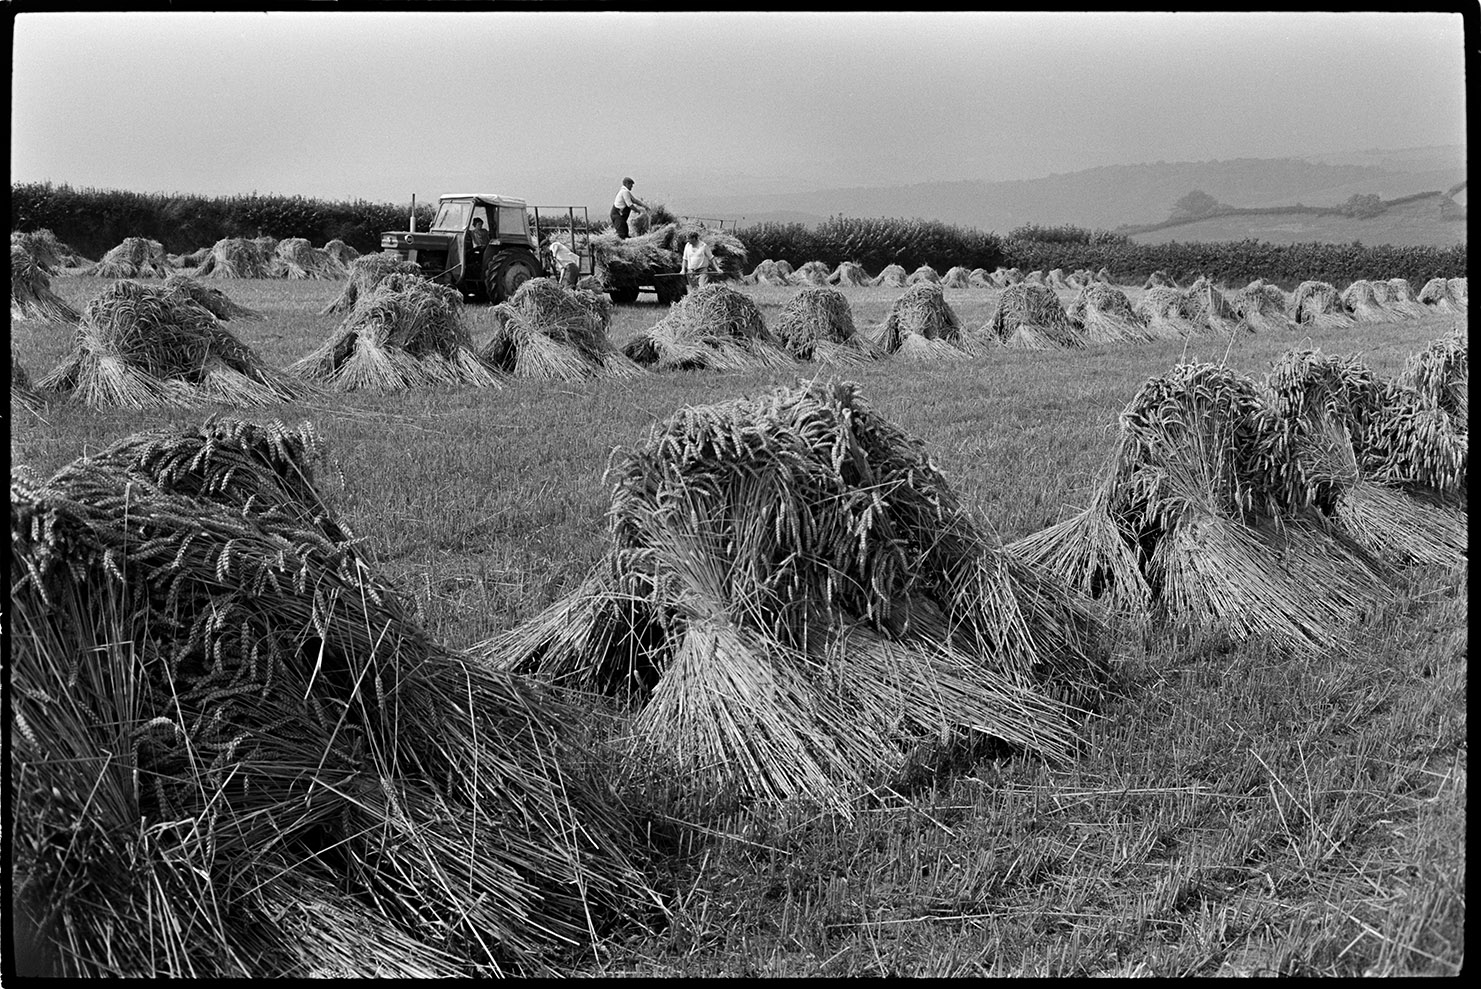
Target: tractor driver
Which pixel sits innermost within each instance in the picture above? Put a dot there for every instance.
(479, 233)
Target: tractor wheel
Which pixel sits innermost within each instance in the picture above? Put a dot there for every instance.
(624, 296)
(505, 271)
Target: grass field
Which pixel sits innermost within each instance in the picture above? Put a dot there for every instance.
(1235, 813)
(1418, 223)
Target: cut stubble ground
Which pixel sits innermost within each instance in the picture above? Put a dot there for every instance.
(1235, 812)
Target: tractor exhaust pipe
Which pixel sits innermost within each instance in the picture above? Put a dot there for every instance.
(411, 221)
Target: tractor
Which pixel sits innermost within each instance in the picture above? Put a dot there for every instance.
(448, 252)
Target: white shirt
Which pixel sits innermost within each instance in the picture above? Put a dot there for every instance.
(697, 257)
(624, 198)
(563, 255)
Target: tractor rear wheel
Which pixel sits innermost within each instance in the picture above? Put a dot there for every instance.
(505, 271)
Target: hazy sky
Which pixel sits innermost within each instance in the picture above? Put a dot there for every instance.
(559, 106)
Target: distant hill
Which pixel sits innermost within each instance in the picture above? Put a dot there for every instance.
(1114, 195)
(1432, 221)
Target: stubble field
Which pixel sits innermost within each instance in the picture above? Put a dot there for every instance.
(1236, 812)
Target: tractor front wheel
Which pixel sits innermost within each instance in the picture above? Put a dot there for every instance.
(505, 271)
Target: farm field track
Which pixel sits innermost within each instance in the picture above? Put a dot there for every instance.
(1236, 812)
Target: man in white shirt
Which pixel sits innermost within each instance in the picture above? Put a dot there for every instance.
(697, 260)
(623, 206)
(567, 264)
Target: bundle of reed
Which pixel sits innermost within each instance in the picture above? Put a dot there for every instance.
(547, 331)
(811, 273)
(714, 327)
(1441, 374)
(980, 278)
(848, 273)
(1419, 445)
(1012, 276)
(266, 244)
(1205, 307)
(1401, 300)
(31, 296)
(1104, 275)
(136, 257)
(1030, 317)
(188, 261)
(144, 346)
(1317, 305)
(22, 395)
(924, 274)
(957, 277)
(366, 272)
(1335, 408)
(784, 268)
(768, 272)
(1361, 301)
(1161, 312)
(921, 325)
(1261, 307)
(50, 254)
(213, 300)
(295, 258)
(407, 332)
(1159, 279)
(237, 753)
(1036, 278)
(1104, 315)
(1458, 289)
(817, 324)
(893, 276)
(236, 257)
(1202, 520)
(1055, 279)
(341, 252)
(1438, 296)
(798, 607)
(593, 284)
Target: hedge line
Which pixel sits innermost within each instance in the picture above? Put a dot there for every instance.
(93, 221)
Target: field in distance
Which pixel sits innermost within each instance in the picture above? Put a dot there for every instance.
(1413, 224)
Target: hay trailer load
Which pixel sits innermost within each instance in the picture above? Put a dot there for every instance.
(447, 253)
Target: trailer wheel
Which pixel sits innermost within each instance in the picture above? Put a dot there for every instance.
(670, 290)
(623, 296)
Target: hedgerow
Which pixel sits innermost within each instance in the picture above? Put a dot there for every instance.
(92, 221)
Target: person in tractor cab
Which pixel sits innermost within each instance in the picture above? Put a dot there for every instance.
(623, 206)
(479, 233)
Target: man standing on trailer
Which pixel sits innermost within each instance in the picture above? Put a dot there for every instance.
(623, 206)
